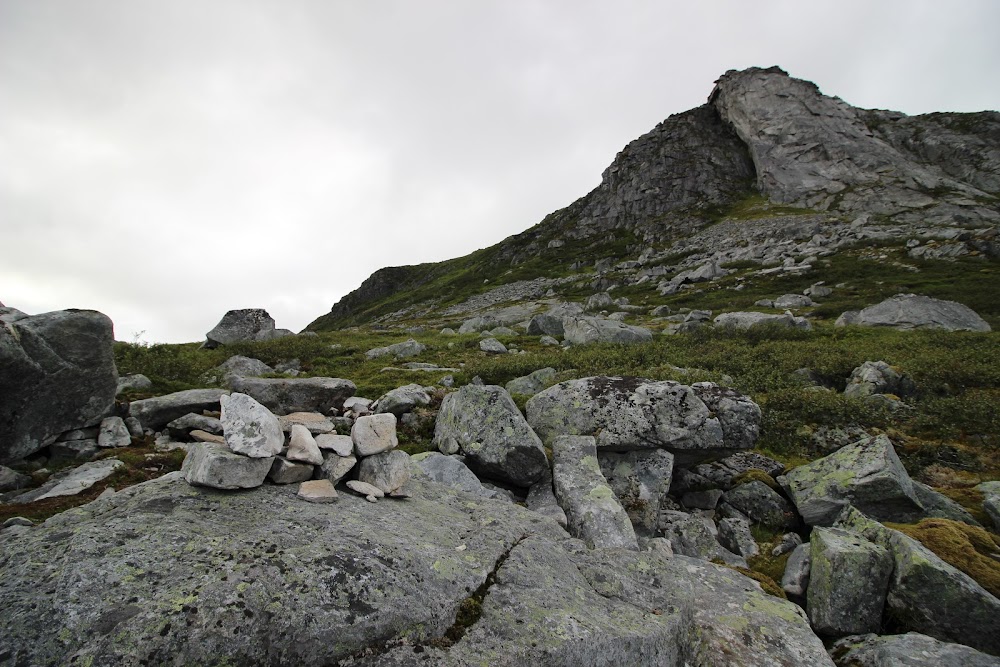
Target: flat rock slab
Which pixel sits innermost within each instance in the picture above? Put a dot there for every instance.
(284, 396)
(341, 444)
(155, 413)
(78, 480)
(317, 491)
(314, 421)
(380, 578)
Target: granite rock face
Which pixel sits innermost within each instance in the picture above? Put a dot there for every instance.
(57, 373)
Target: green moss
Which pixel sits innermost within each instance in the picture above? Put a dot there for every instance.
(968, 548)
(756, 476)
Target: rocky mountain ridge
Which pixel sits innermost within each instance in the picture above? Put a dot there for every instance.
(767, 149)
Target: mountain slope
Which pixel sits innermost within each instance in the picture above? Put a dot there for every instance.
(766, 148)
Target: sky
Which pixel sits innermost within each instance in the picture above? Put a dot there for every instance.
(164, 162)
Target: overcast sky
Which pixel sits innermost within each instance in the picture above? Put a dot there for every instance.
(166, 161)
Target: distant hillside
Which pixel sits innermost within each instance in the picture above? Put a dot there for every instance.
(768, 161)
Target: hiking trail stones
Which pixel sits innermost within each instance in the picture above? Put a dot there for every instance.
(57, 373)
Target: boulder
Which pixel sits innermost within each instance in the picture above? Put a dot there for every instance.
(492, 346)
(250, 428)
(628, 413)
(408, 348)
(793, 301)
(451, 471)
(155, 413)
(248, 324)
(593, 513)
(73, 481)
(749, 319)
(484, 422)
(640, 480)
(582, 330)
(910, 650)
(302, 447)
(314, 422)
(374, 434)
(402, 400)
(381, 583)
(911, 311)
(878, 377)
(762, 505)
(695, 536)
(795, 580)
(57, 372)
(598, 302)
(848, 580)
(209, 464)
(240, 366)
(389, 471)
(927, 594)
(317, 491)
(531, 384)
(284, 471)
(545, 325)
(181, 427)
(135, 382)
(335, 467)
(866, 474)
(113, 433)
(724, 472)
(283, 396)
(542, 499)
(343, 445)
(735, 536)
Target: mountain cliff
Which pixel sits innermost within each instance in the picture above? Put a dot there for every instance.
(767, 148)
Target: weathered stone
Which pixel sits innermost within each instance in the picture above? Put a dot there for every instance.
(789, 541)
(198, 435)
(389, 471)
(749, 320)
(878, 377)
(208, 464)
(735, 535)
(409, 348)
(545, 324)
(763, 505)
(317, 491)
(182, 426)
(542, 499)
(73, 450)
(627, 413)
(371, 493)
(402, 400)
(646, 608)
(373, 434)
(135, 382)
(695, 536)
(57, 372)
(284, 471)
(155, 413)
(113, 433)
(867, 475)
(795, 580)
(991, 501)
(451, 472)
(531, 384)
(302, 447)
(723, 472)
(593, 512)
(283, 396)
(314, 422)
(911, 311)
(343, 445)
(358, 405)
(11, 480)
(492, 346)
(702, 500)
(910, 650)
(493, 435)
(250, 428)
(848, 579)
(73, 481)
(238, 366)
(583, 330)
(248, 324)
(335, 467)
(640, 481)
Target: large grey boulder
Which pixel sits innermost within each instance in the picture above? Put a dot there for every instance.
(640, 481)
(240, 366)
(248, 324)
(484, 422)
(372, 582)
(912, 311)
(250, 428)
(696, 536)
(214, 465)
(283, 396)
(545, 325)
(134, 382)
(402, 400)
(408, 348)
(593, 513)
(910, 650)
(628, 413)
(582, 330)
(57, 373)
(374, 434)
(867, 475)
(531, 384)
(155, 413)
(927, 594)
(451, 471)
(388, 471)
(795, 580)
(848, 579)
(724, 472)
(878, 377)
(748, 320)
